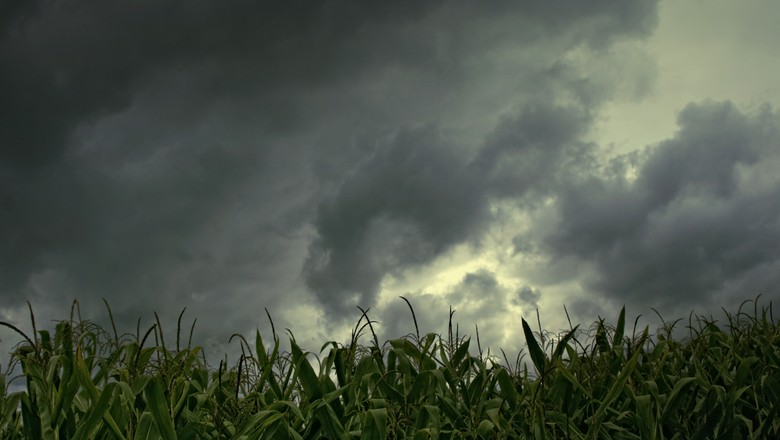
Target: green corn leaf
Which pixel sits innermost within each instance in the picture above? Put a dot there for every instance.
(98, 410)
(428, 418)
(309, 380)
(38, 390)
(30, 421)
(408, 348)
(601, 338)
(45, 341)
(486, 428)
(180, 394)
(262, 356)
(422, 386)
(675, 398)
(565, 372)
(69, 386)
(617, 340)
(644, 416)
(443, 358)
(147, 430)
(476, 391)
(10, 424)
(8, 405)
(374, 424)
(735, 395)
(85, 379)
(376, 353)
(616, 389)
(428, 345)
(158, 406)
(495, 417)
(330, 422)
(562, 343)
(425, 434)
(742, 375)
(508, 391)
(340, 364)
(267, 363)
(140, 383)
(538, 425)
(109, 420)
(403, 364)
(461, 353)
(711, 420)
(391, 393)
(564, 424)
(537, 355)
(289, 408)
(768, 423)
(259, 423)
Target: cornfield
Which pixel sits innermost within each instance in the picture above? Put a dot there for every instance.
(722, 381)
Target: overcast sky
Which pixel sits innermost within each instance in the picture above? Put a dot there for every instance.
(309, 157)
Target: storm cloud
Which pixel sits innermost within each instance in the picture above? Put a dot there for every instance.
(697, 223)
(308, 158)
(416, 197)
(407, 204)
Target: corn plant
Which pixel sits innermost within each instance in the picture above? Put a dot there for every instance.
(608, 381)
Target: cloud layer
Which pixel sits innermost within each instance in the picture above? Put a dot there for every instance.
(301, 157)
(695, 222)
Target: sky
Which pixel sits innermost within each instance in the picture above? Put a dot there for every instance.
(307, 158)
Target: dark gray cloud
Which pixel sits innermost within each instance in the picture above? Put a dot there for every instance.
(528, 297)
(698, 225)
(406, 205)
(533, 148)
(416, 197)
(76, 61)
(152, 153)
(185, 153)
(14, 11)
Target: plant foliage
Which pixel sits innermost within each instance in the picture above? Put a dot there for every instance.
(83, 382)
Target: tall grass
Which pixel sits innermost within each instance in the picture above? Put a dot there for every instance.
(85, 382)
